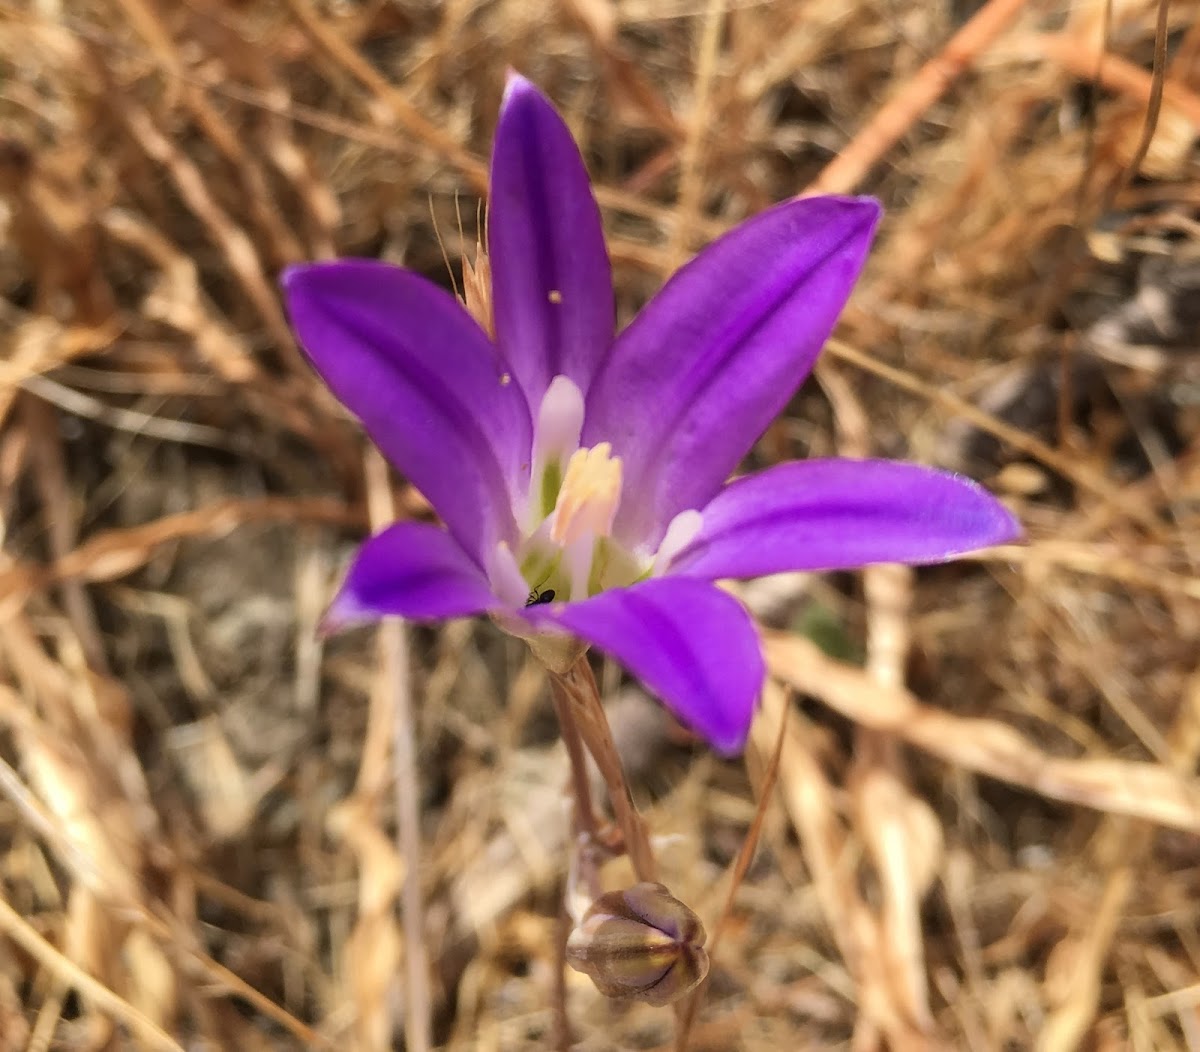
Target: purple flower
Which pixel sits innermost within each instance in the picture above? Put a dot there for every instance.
(581, 475)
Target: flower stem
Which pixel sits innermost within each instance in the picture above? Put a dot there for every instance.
(585, 724)
(582, 710)
(562, 1022)
(585, 813)
(583, 824)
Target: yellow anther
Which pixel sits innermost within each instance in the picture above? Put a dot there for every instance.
(591, 490)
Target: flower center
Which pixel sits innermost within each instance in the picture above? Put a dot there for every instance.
(567, 551)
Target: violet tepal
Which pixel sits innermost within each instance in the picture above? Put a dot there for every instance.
(581, 474)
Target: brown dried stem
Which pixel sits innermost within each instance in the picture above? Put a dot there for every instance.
(1125, 787)
(898, 115)
(897, 827)
(586, 712)
(1079, 472)
(584, 812)
(71, 975)
(686, 1015)
(691, 170)
(1078, 961)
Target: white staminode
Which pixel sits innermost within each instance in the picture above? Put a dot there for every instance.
(681, 531)
(505, 575)
(555, 437)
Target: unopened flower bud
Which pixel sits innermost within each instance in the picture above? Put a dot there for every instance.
(640, 944)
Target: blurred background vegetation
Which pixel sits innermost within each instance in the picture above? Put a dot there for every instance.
(983, 834)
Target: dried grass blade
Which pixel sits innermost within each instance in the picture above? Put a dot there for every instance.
(741, 864)
(64, 969)
(1140, 790)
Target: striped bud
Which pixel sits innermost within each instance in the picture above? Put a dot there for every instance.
(640, 944)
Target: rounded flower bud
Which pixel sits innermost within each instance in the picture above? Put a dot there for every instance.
(640, 944)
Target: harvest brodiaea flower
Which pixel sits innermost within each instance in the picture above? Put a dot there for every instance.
(581, 475)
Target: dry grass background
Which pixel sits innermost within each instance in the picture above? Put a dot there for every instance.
(984, 832)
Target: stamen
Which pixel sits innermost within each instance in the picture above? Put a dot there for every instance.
(587, 502)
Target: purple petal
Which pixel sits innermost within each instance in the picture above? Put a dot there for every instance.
(839, 514)
(551, 279)
(687, 641)
(405, 357)
(714, 357)
(411, 570)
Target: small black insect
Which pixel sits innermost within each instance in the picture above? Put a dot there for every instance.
(537, 598)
